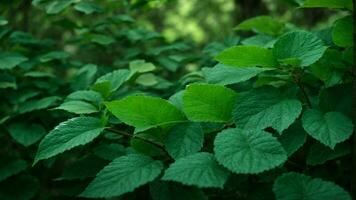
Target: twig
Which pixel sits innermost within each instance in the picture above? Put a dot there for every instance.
(123, 133)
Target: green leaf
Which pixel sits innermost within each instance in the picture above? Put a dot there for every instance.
(11, 60)
(123, 175)
(226, 75)
(144, 112)
(262, 24)
(163, 190)
(148, 79)
(28, 185)
(141, 66)
(266, 107)
(102, 39)
(302, 45)
(54, 55)
(319, 153)
(26, 134)
(57, 6)
(79, 169)
(37, 104)
(7, 81)
(67, 135)
(11, 167)
(208, 103)
(184, 139)
(115, 78)
(295, 186)
(245, 56)
(327, 4)
(86, 95)
(329, 128)
(109, 151)
(200, 169)
(77, 107)
(146, 148)
(342, 32)
(3, 21)
(248, 152)
(293, 138)
(88, 7)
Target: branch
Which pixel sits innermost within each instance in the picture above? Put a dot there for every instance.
(123, 133)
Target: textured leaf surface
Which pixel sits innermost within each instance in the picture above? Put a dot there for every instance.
(295, 186)
(303, 46)
(144, 112)
(11, 60)
(248, 152)
(78, 107)
(245, 56)
(200, 169)
(208, 103)
(123, 175)
(225, 75)
(342, 33)
(86, 95)
(184, 139)
(67, 135)
(330, 128)
(266, 107)
(262, 24)
(26, 134)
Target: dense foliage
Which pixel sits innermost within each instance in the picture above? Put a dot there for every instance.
(99, 107)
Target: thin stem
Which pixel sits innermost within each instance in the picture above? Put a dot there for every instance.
(297, 80)
(123, 133)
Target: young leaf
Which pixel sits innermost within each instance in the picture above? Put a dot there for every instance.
(208, 103)
(184, 139)
(248, 152)
(78, 107)
(26, 134)
(245, 56)
(200, 169)
(144, 112)
(11, 60)
(226, 75)
(342, 33)
(115, 78)
(330, 128)
(123, 175)
(67, 135)
(303, 46)
(261, 24)
(266, 107)
(295, 186)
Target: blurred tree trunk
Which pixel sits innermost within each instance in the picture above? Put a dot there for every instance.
(249, 8)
